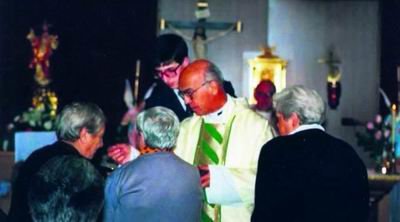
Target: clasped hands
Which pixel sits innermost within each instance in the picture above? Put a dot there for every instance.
(204, 175)
(120, 153)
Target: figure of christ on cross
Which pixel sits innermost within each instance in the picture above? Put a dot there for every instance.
(199, 39)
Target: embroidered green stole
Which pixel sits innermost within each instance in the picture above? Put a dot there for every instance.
(211, 150)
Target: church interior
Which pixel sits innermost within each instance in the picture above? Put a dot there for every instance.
(103, 44)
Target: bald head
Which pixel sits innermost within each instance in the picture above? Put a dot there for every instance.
(195, 70)
(200, 84)
(206, 69)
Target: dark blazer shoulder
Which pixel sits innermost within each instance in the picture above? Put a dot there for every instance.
(164, 96)
(42, 155)
(160, 91)
(309, 141)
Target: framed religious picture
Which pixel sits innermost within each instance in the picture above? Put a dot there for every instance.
(265, 67)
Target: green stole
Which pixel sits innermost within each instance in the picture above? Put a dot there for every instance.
(211, 150)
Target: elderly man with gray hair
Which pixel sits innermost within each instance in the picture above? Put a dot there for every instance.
(80, 128)
(306, 174)
(158, 185)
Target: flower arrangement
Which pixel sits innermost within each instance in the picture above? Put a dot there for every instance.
(41, 116)
(376, 139)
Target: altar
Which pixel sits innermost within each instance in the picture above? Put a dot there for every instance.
(384, 197)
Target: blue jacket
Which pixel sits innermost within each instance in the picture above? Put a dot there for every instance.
(154, 187)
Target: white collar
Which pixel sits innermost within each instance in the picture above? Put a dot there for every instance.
(221, 115)
(307, 127)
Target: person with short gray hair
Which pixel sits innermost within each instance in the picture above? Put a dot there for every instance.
(76, 116)
(159, 126)
(307, 175)
(305, 102)
(80, 128)
(158, 185)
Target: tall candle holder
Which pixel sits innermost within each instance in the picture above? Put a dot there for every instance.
(391, 154)
(395, 138)
(388, 157)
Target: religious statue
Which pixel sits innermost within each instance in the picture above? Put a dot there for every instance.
(43, 112)
(199, 39)
(41, 116)
(42, 48)
(199, 43)
(334, 88)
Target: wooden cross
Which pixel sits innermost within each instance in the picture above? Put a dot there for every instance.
(200, 26)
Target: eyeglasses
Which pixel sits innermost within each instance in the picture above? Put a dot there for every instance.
(190, 92)
(169, 72)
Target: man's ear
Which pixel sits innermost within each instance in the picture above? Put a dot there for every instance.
(83, 134)
(295, 120)
(213, 86)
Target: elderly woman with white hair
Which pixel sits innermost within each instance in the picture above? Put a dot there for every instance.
(158, 185)
(307, 175)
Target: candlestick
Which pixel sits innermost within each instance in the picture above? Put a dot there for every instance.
(398, 83)
(392, 156)
(137, 76)
(393, 128)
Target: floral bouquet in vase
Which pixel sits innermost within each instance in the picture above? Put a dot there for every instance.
(376, 140)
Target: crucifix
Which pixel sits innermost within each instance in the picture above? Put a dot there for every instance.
(333, 81)
(199, 39)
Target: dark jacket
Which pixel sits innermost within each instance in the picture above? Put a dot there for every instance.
(310, 176)
(19, 210)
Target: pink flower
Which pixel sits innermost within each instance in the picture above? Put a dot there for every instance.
(370, 125)
(378, 119)
(378, 135)
(386, 134)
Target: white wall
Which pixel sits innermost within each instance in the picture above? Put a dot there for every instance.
(304, 30)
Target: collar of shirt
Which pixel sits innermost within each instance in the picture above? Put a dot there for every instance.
(307, 127)
(176, 91)
(221, 115)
